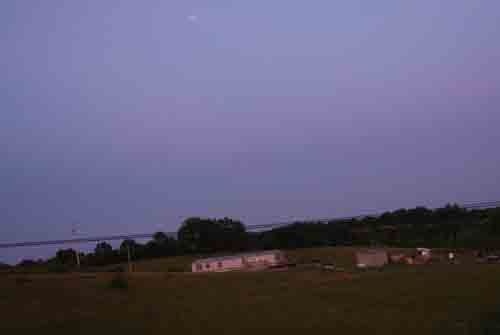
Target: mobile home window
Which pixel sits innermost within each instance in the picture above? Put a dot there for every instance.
(219, 264)
(207, 265)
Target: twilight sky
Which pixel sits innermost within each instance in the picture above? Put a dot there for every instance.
(129, 116)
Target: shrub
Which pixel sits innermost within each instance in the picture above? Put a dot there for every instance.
(119, 282)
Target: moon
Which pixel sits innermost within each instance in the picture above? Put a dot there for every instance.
(192, 18)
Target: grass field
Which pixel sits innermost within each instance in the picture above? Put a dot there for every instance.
(437, 299)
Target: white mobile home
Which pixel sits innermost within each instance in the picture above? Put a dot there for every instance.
(244, 261)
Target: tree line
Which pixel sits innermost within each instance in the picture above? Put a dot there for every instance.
(451, 227)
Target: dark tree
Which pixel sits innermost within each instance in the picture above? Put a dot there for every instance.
(103, 249)
(494, 221)
(161, 245)
(128, 244)
(27, 263)
(66, 256)
(211, 235)
(136, 250)
(160, 237)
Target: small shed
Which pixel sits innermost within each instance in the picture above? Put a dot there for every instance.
(371, 258)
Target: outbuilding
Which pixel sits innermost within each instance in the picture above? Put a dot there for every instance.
(371, 258)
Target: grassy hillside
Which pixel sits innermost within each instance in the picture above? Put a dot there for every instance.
(438, 299)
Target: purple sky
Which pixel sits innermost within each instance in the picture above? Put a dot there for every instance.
(128, 116)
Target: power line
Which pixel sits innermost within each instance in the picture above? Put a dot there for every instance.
(75, 240)
(475, 205)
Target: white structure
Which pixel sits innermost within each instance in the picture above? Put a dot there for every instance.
(245, 261)
(371, 258)
(424, 252)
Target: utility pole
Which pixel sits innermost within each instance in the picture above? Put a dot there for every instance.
(77, 259)
(74, 231)
(129, 258)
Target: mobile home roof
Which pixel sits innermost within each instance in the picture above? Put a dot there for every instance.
(246, 254)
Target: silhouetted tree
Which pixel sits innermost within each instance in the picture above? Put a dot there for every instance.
(136, 250)
(494, 221)
(161, 245)
(103, 249)
(27, 263)
(66, 256)
(128, 244)
(160, 238)
(211, 235)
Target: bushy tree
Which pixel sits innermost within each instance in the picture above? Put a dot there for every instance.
(103, 254)
(66, 256)
(103, 249)
(128, 245)
(211, 235)
(494, 221)
(161, 245)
